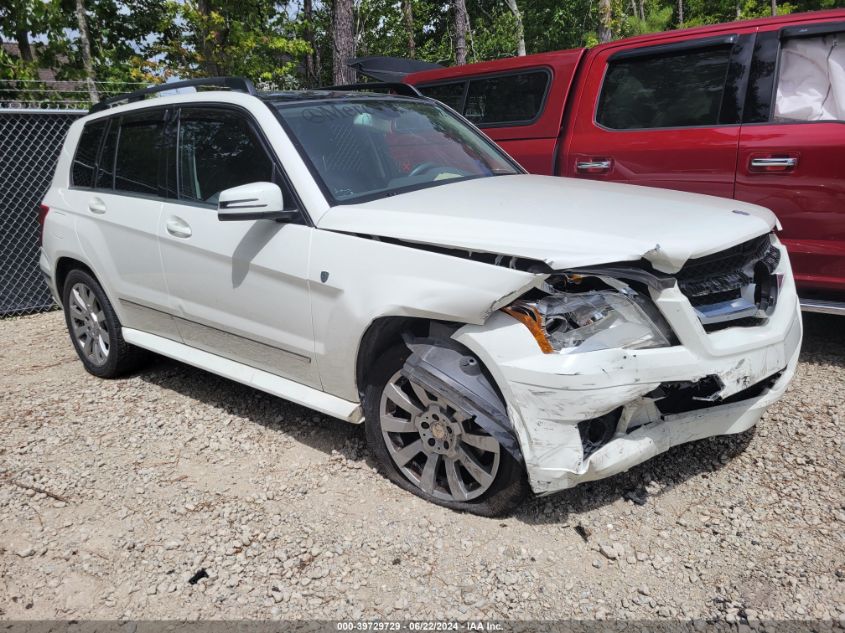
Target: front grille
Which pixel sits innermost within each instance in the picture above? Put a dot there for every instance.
(716, 283)
(716, 297)
(725, 262)
(743, 322)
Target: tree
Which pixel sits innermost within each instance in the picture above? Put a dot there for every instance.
(520, 29)
(113, 45)
(461, 18)
(656, 20)
(408, 16)
(17, 21)
(249, 38)
(343, 41)
(310, 62)
(85, 46)
(605, 32)
(211, 36)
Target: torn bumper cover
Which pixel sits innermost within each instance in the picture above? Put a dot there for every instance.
(585, 416)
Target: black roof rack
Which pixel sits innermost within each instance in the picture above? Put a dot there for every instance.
(406, 90)
(239, 84)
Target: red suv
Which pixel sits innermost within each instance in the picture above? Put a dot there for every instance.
(749, 110)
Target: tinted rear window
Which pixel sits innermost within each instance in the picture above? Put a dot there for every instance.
(506, 99)
(139, 147)
(511, 99)
(450, 94)
(674, 90)
(84, 162)
(105, 170)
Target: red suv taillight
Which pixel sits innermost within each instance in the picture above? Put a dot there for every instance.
(43, 210)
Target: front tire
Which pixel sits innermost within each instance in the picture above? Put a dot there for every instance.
(427, 446)
(95, 329)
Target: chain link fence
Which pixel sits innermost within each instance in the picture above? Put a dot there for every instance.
(30, 141)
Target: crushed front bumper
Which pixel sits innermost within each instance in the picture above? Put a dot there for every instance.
(549, 395)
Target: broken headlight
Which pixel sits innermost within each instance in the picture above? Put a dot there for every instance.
(593, 320)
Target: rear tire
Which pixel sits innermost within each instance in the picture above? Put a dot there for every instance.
(451, 446)
(95, 329)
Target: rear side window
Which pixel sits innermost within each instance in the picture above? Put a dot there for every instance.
(139, 147)
(512, 99)
(674, 90)
(811, 79)
(450, 94)
(217, 150)
(506, 99)
(85, 160)
(105, 167)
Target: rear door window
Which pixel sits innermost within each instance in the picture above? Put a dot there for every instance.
(811, 79)
(507, 99)
(139, 149)
(85, 159)
(218, 149)
(681, 89)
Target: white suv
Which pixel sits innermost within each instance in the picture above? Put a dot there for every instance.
(378, 259)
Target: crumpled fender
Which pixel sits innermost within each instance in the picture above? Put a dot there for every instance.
(449, 370)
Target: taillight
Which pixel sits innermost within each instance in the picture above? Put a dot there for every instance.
(43, 210)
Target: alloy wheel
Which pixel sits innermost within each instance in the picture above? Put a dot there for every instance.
(434, 444)
(88, 324)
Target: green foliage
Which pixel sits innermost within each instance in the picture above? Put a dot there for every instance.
(14, 68)
(252, 38)
(143, 41)
(656, 20)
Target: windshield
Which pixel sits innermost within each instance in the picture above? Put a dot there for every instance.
(365, 149)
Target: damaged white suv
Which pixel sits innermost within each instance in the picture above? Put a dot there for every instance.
(378, 259)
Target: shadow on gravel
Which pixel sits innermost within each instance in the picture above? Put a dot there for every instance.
(824, 339)
(299, 423)
(824, 342)
(640, 484)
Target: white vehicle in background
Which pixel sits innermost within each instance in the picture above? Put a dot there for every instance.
(378, 259)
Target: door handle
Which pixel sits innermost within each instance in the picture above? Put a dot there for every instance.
(96, 205)
(593, 166)
(177, 227)
(773, 163)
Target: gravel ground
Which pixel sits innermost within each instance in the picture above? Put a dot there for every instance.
(113, 494)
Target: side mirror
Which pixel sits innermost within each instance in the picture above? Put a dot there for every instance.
(253, 201)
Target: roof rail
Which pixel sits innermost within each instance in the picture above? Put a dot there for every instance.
(406, 90)
(239, 84)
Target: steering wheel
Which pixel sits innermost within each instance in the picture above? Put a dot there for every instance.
(422, 168)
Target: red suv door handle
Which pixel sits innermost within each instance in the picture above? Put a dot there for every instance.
(769, 164)
(593, 166)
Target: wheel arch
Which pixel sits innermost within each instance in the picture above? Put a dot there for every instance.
(64, 265)
(381, 335)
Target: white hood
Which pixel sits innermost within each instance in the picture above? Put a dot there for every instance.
(565, 222)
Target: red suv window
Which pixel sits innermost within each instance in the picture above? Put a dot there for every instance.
(497, 100)
(680, 90)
